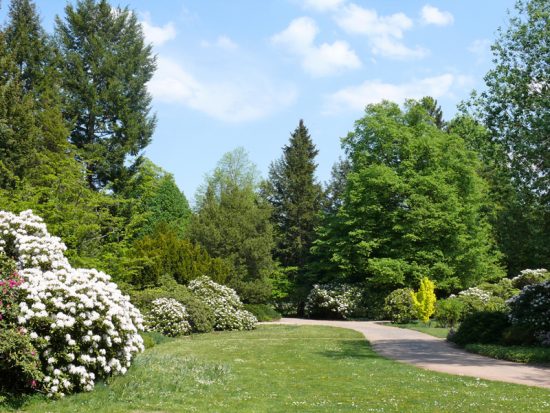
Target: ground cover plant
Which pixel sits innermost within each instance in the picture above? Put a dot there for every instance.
(519, 354)
(288, 369)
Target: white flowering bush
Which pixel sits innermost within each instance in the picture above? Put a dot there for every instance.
(225, 303)
(529, 277)
(476, 293)
(332, 301)
(169, 317)
(531, 308)
(78, 320)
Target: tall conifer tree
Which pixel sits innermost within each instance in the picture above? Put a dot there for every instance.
(296, 197)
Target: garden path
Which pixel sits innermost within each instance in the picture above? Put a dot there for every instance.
(435, 354)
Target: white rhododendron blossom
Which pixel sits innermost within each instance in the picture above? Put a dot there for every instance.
(77, 319)
(529, 277)
(169, 317)
(332, 301)
(225, 303)
(476, 292)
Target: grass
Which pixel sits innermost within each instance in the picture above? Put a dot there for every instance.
(520, 354)
(440, 332)
(287, 369)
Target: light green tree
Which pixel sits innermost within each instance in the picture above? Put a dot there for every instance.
(424, 299)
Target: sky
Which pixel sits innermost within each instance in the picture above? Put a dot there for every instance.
(244, 72)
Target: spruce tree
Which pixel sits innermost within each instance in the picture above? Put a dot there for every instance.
(296, 198)
(105, 66)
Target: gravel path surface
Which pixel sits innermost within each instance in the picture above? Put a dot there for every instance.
(435, 354)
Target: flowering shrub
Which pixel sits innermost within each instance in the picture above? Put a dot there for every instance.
(532, 308)
(529, 277)
(399, 306)
(78, 320)
(476, 293)
(168, 317)
(332, 301)
(225, 303)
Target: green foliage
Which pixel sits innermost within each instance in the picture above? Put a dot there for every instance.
(486, 327)
(514, 109)
(504, 288)
(415, 205)
(296, 198)
(105, 67)
(519, 335)
(233, 223)
(163, 252)
(530, 277)
(263, 312)
(152, 338)
(518, 354)
(201, 315)
(449, 312)
(531, 308)
(399, 306)
(20, 367)
(424, 300)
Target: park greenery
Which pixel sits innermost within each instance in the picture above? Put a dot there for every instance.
(423, 217)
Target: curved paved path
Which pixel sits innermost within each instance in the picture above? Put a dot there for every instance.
(434, 353)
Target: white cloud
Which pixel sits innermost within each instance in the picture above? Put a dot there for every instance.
(323, 5)
(235, 99)
(157, 35)
(223, 42)
(323, 60)
(384, 32)
(374, 91)
(432, 15)
(481, 48)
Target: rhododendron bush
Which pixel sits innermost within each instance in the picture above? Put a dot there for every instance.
(226, 304)
(332, 301)
(78, 320)
(169, 317)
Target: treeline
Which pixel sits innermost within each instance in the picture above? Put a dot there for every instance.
(459, 201)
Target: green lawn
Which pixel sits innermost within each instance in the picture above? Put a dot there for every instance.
(289, 369)
(440, 332)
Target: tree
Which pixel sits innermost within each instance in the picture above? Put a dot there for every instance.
(514, 109)
(424, 299)
(336, 188)
(296, 198)
(105, 67)
(232, 223)
(414, 206)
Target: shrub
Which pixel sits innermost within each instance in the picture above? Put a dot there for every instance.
(424, 300)
(332, 301)
(168, 317)
(519, 354)
(449, 312)
(201, 315)
(517, 335)
(531, 308)
(504, 288)
(263, 312)
(485, 327)
(78, 320)
(530, 277)
(225, 304)
(399, 306)
(476, 299)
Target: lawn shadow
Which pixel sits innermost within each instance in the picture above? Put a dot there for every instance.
(351, 349)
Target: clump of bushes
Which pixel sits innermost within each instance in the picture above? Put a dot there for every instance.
(332, 301)
(485, 327)
(449, 312)
(168, 317)
(229, 313)
(263, 312)
(81, 325)
(530, 277)
(399, 306)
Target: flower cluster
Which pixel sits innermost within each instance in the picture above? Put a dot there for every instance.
(529, 277)
(169, 317)
(476, 293)
(225, 303)
(78, 320)
(532, 308)
(332, 301)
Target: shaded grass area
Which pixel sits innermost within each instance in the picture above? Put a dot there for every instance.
(288, 369)
(520, 354)
(430, 329)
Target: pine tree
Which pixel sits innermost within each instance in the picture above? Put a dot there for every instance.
(296, 198)
(105, 67)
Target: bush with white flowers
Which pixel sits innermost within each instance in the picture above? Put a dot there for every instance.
(531, 308)
(332, 301)
(225, 303)
(77, 319)
(530, 277)
(169, 317)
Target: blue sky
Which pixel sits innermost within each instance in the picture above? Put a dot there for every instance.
(243, 72)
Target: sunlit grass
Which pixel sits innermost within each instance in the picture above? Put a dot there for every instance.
(288, 369)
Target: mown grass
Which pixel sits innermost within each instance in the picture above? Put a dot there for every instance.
(430, 329)
(288, 369)
(520, 354)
